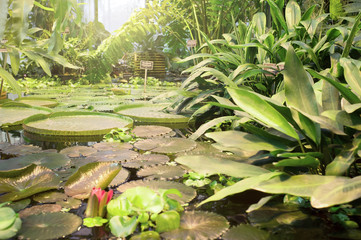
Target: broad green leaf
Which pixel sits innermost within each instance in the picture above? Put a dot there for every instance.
(307, 161)
(208, 165)
(7, 217)
(351, 120)
(122, 226)
(277, 15)
(15, 61)
(293, 15)
(219, 75)
(344, 159)
(259, 23)
(341, 190)
(21, 10)
(350, 39)
(167, 221)
(245, 141)
(309, 51)
(3, 16)
(312, 24)
(119, 207)
(352, 75)
(262, 111)
(260, 203)
(10, 80)
(300, 94)
(43, 7)
(39, 60)
(202, 129)
(307, 15)
(144, 199)
(240, 186)
(299, 185)
(345, 92)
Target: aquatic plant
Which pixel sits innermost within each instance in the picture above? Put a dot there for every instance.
(10, 222)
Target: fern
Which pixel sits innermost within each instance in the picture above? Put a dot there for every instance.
(336, 9)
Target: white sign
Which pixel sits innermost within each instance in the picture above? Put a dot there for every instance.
(147, 65)
(191, 43)
(3, 50)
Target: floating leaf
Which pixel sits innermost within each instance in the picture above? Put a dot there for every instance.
(111, 146)
(113, 155)
(148, 235)
(19, 205)
(188, 193)
(245, 141)
(341, 190)
(121, 177)
(146, 160)
(49, 160)
(19, 150)
(16, 115)
(198, 225)
(22, 183)
(39, 209)
(78, 151)
(96, 174)
(50, 197)
(162, 172)
(246, 232)
(38, 101)
(151, 131)
(75, 123)
(152, 114)
(208, 165)
(49, 225)
(161, 145)
(71, 203)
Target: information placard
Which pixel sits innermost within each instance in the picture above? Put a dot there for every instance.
(3, 50)
(191, 43)
(146, 65)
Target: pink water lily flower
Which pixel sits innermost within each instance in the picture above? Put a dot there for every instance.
(101, 193)
(97, 202)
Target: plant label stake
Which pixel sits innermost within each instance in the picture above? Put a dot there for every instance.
(192, 44)
(146, 65)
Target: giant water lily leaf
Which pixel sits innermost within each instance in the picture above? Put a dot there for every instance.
(49, 160)
(262, 111)
(75, 123)
(188, 193)
(145, 160)
(39, 209)
(112, 146)
(121, 177)
(96, 174)
(300, 94)
(113, 155)
(162, 172)
(49, 225)
(198, 225)
(245, 141)
(19, 150)
(341, 190)
(151, 131)
(241, 186)
(16, 115)
(300, 185)
(208, 165)
(50, 197)
(39, 102)
(22, 183)
(161, 145)
(78, 151)
(246, 232)
(152, 114)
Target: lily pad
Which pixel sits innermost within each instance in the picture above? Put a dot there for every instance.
(169, 146)
(188, 193)
(96, 174)
(112, 146)
(70, 203)
(19, 150)
(121, 177)
(75, 123)
(15, 115)
(78, 151)
(22, 183)
(151, 131)
(49, 226)
(19, 205)
(146, 160)
(118, 155)
(39, 209)
(152, 114)
(246, 232)
(162, 172)
(199, 225)
(49, 160)
(37, 101)
(50, 197)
